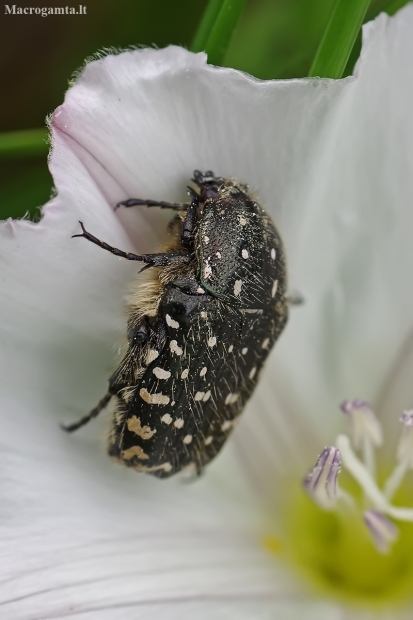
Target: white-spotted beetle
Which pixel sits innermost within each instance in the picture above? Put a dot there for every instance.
(199, 331)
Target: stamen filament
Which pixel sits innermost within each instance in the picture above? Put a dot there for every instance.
(361, 474)
(369, 457)
(394, 480)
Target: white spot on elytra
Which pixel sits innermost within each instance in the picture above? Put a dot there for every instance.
(227, 425)
(206, 239)
(218, 254)
(274, 288)
(265, 343)
(231, 398)
(273, 253)
(203, 315)
(173, 345)
(244, 254)
(237, 287)
(212, 341)
(160, 373)
(185, 373)
(200, 290)
(209, 440)
(242, 220)
(199, 395)
(203, 372)
(151, 356)
(171, 322)
(179, 423)
(166, 419)
(154, 399)
(252, 372)
(231, 348)
(187, 439)
(244, 350)
(207, 396)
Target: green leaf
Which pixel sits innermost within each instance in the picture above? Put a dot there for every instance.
(338, 39)
(29, 142)
(216, 28)
(25, 185)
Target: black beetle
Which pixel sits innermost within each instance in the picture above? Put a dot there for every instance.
(199, 331)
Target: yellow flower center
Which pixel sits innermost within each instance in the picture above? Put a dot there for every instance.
(335, 552)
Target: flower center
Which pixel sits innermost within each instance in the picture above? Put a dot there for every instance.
(354, 540)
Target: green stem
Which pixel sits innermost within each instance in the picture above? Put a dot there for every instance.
(217, 27)
(29, 142)
(207, 22)
(338, 39)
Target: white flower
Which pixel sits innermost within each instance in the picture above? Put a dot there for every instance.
(332, 162)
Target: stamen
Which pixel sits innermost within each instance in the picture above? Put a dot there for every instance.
(360, 473)
(321, 482)
(365, 429)
(383, 531)
(404, 456)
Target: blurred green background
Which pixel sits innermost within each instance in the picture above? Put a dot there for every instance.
(274, 39)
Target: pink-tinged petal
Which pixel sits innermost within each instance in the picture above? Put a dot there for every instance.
(150, 117)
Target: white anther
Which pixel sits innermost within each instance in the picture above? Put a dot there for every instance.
(363, 422)
(365, 430)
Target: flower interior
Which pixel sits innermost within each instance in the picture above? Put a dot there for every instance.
(349, 528)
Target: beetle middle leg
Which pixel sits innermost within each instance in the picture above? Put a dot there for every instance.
(139, 202)
(191, 217)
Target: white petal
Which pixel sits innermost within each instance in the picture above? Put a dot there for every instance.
(62, 299)
(82, 534)
(350, 252)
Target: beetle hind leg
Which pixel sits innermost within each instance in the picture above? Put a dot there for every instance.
(69, 428)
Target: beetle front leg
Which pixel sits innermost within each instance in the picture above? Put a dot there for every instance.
(188, 227)
(161, 259)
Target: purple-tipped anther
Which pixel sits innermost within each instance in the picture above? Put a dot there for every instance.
(383, 531)
(321, 481)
